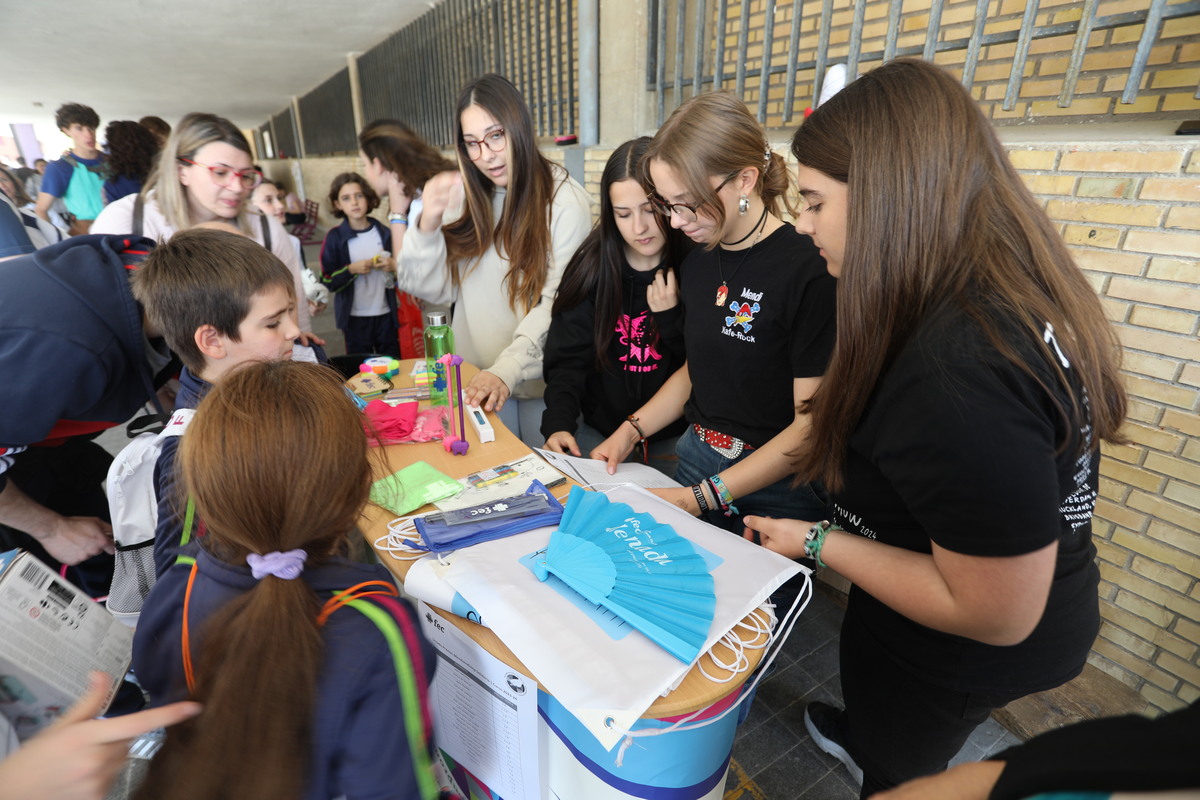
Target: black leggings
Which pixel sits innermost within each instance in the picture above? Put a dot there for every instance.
(898, 726)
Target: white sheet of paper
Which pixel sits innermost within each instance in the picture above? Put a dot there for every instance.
(529, 468)
(485, 713)
(593, 676)
(591, 472)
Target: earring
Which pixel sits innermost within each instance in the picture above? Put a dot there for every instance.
(743, 205)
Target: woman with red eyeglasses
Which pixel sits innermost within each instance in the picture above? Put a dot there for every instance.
(493, 238)
(205, 173)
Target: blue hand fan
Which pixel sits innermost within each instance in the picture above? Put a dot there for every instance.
(636, 567)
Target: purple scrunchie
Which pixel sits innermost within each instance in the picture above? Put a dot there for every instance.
(287, 565)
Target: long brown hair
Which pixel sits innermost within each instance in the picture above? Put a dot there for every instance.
(400, 150)
(937, 215)
(715, 135)
(522, 234)
(275, 459)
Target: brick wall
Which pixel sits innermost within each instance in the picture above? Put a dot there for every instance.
(1167, 88)
(1131, 215)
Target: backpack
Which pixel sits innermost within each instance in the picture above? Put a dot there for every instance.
(133, 504)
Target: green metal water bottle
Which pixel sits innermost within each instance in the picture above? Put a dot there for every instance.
(439, 340)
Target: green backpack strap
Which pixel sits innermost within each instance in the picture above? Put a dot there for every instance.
(415, 720)
(189, 521)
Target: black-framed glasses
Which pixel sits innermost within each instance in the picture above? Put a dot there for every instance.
(496, 141)
(223, 175)
(685, 211)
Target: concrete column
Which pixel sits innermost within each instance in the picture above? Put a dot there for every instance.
(626, 107)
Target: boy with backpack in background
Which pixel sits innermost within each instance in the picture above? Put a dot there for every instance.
(77, 177)
(220, 300)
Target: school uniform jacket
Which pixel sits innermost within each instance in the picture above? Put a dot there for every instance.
(335, 258)
(360, 748)
(73, 357)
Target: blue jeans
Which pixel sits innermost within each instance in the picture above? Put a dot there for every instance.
(698, 461)
(524, 419)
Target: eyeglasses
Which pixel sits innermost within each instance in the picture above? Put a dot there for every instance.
(685, 211)
(496, 141)
(222, 175)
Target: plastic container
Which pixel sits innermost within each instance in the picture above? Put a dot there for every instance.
(439, 341)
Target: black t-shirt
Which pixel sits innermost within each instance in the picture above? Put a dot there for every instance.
(645, 349)
(777, 323)
(959, 446)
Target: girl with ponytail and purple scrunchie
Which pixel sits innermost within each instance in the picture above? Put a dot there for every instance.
(303, 697)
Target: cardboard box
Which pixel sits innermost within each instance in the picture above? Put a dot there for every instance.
(52, 635)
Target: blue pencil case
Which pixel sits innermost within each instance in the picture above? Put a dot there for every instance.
(439, 536)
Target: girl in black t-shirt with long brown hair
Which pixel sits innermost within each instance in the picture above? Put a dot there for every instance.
(758, 319)
(957, 428)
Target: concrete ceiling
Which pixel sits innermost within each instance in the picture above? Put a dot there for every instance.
(241, 59)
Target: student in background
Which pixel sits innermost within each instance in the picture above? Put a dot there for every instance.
(615, 333)
(359, 270)
(397, 163)
(33, 184)
(303, 696)
(204, 174)
(493, 239)
(759, 319)
(40, 232)
(268, 198)
(76, 178)
(957, 428)
(131, 153)
(158, 128)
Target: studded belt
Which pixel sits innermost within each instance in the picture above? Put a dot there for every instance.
(723, 443)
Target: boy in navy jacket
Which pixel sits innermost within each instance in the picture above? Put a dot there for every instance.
(76, 358)
(220, 301)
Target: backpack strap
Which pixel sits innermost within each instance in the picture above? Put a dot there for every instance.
(139, 208)
(400, 635)
(398, 631)
(266, 231)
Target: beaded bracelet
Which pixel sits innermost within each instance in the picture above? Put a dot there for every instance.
(700, 499)
(815, 540)
(723, 495)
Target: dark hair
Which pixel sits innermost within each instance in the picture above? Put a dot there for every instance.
(204, 277)
(522, 234)
(967, 233)
(715, 134)
(69, 113)
(259, 656)
(352, 177)
(21, 198)
(42, 160)
(400, 150)
(158, 128)
(131, 150)
(595, 268)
